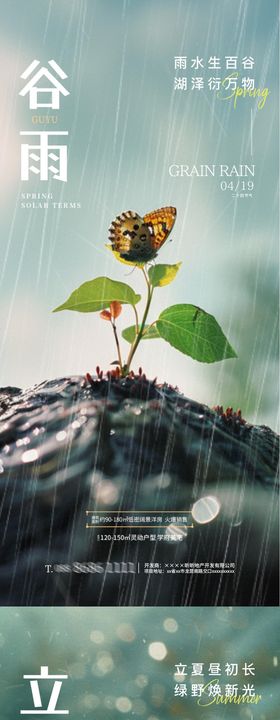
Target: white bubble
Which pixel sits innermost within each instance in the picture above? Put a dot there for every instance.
(29, 456)
(123, 704)
(206, 509)
(157, 650)
(61, 435)
(23, 441)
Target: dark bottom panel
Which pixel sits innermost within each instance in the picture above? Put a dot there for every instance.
(128, 493)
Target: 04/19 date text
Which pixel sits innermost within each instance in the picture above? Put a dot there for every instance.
(237, 186)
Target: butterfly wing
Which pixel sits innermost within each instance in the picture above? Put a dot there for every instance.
(131, 237)
(160, 222)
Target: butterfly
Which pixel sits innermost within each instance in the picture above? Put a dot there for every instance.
(137, 239)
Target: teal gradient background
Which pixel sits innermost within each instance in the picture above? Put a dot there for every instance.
(126, 126)
(108, 657)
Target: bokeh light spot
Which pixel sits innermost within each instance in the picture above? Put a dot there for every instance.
(206, 509)
(157, 650)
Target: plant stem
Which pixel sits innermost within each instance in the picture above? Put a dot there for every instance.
(148, 328)
(136, 320)
(117, 344)
(142, 326)
(146, 278)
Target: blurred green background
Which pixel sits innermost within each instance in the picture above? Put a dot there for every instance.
(126, 126)
(121, 664)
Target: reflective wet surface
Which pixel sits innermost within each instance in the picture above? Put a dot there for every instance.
(67, 446)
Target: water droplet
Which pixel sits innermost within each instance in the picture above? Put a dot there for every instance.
(137, 411)
(29, 456)
(38, 431)
(61, 435)
(23, 441)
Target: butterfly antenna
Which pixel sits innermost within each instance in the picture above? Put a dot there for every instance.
(131, 271)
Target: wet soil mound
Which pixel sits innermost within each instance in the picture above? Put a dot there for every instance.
(114, 445)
